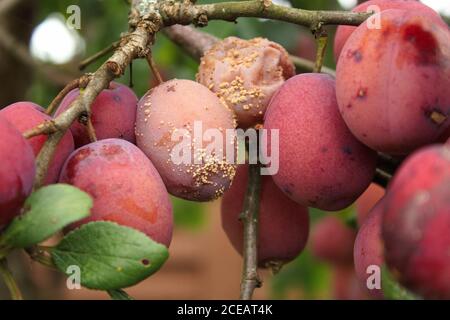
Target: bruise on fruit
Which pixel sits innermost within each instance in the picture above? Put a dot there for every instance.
(129, 205)
(423, 41)
(72, 165)
(109, 151)
(356, 55)
(347, 150)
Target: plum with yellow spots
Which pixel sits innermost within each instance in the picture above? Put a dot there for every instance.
(189, 135)
(245, 74)
(125, 186)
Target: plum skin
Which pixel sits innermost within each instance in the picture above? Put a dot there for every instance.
(283, 224)
(125, 186)
(27, 115)
(175, 107)
(407, 107)
(416, 222)
(113, 114)
(368, 249)
(17, 171)
(245, 74)
(332, 241)
(321, 164)
(344, 32)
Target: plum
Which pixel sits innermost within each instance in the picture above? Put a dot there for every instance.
(113, 114)
(392, 82)
(175, 123)
(416, 222)
(283, 224)
(27, 115)
(332, 241)
(17, 171)
(368, 250)
(245, 74)
(321, 164)
(344, 32)
(125, 186)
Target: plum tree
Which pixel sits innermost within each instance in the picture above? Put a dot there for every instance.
(125, 186)
(368, 250)
(367, 201)
(17, 171)
(332, 241)
(113, 114)
(283, 224)
(27, 115)
(344, 32)
(416, 222)
(321, 164)
(245, 74)
(173, 121)
(400, 110)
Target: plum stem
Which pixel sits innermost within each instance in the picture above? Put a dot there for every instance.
(153, 67)
(9, 280)
(322, 41)
(105, 51)
(249, 217)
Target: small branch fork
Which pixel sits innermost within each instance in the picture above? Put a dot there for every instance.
(145, 20)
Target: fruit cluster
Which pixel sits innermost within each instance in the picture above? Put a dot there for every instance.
(390, 95)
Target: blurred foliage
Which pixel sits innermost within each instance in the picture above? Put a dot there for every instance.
(104, 21)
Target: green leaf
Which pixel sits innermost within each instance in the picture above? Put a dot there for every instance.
(109, 256)
(392, 290)
(119, 294)
(48, 210)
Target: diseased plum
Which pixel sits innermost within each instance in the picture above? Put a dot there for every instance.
(17, 171)
(125, 186)
(392, 83)
(188, 134)
(245, 74)
(321, 164)
(344, 32)
(416, 223)
(283, 224)
(27, 115)
(113, 114)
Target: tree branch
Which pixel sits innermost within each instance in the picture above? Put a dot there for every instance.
(249, 217)
(196, 43)
(183, 13)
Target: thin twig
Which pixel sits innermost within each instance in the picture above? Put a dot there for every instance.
(77, 83)
(9, 280)
(91, 130)
(86, 62)
(40, 255)
(308, 66)
(249, 217)
(382, 178)
(154, 68)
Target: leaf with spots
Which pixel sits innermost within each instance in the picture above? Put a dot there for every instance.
(109, 256)
(47, 211)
